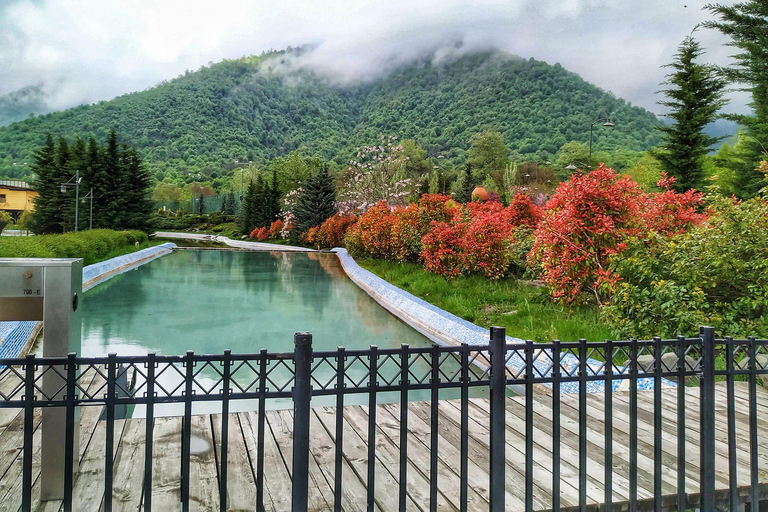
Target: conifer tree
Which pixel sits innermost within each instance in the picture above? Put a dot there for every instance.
(694, 97)
(245, 214)
(230, 204)
(464, 195)
(746, 23)
(274, 199)
(44, 184)
(201, 204)
(315, 202)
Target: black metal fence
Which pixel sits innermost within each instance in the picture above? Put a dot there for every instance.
(536, 369)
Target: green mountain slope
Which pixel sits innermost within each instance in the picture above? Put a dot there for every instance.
(244, 110)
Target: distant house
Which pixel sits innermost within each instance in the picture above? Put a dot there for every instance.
(16, 197)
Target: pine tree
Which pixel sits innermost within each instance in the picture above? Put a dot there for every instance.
(77, 158)
(231, 204)
(224, 204)
(99, 181)
(201, 204)
(746, 23)
(246, 212)
(112, 204)
(45, 185)
(694, 98)
(464, 195)
(137, 204)
(274, 198)
(315, 202)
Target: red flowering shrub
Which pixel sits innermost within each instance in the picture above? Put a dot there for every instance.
(260, 234)
(310, 236)
(522, 211)
(436, 208)
(670, 213)
(442, 249)
(587, 220)
(333, 230)
(406, 235)
(275, 228)
(376, 231)
(486, 244)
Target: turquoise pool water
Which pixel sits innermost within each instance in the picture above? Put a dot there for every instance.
(209, 301)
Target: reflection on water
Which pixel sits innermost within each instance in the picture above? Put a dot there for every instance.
(209, 301)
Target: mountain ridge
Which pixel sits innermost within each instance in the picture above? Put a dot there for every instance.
(240, 109)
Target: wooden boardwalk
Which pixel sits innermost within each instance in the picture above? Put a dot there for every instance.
(129, 461)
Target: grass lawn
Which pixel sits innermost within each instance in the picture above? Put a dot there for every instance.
(526, 311)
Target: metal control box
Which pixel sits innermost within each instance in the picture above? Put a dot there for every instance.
(48, 290)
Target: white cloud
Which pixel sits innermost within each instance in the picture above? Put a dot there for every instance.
(91, 50)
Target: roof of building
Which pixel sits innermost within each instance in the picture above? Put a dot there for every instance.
(15, 185)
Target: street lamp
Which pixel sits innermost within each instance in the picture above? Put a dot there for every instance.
(571, 167)
(607, 124)
(90, 195)
(242, 177)
(76, 184)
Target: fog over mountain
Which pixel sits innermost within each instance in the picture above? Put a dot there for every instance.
(90, 50)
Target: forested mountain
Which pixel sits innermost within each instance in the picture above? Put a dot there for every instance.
(245, 109)
(20, 104)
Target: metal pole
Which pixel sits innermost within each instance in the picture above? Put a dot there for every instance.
(90, 225)
(301, 398)
(707, 430)
(77, 196)
(497, 440)
(590, 145)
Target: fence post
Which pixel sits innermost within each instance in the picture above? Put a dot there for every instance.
(498, 395)
(707, 429)
(301, 399)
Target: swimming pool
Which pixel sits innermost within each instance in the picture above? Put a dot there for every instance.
(210, 300)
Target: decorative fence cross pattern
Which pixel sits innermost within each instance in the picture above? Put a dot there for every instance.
(303, 374)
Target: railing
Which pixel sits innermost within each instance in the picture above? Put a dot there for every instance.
(537, 369)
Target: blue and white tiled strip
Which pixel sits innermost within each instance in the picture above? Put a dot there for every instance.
(445, 328)
(15, 335)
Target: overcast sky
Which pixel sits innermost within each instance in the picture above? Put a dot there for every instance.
(82, 51)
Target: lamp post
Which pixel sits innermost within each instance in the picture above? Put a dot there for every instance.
(90, 215)
(76, 184)
(572, 167)
(242, 178)
(607, 124)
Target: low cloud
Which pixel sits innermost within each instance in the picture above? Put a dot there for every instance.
(88, 50)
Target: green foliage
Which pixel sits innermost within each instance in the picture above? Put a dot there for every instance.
(488, 156)
(5, 219)
(93, 246)
(466, 186)
(715, 274)
(646, 173)
(695, 95)
(115, 174)
(243, 109)
(524, 310)
(746, 23)
(315, 202)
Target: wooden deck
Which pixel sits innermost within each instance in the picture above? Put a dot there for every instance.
(129, 462)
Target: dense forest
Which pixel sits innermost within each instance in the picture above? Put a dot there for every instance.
(251, 109)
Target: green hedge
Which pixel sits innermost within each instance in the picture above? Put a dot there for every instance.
(93, 246)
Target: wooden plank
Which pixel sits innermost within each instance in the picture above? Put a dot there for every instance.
(645, 438)
(645, 410)
(622, 449)
(166, 465)
(241, 483)
(129, 467)
(542, 438)
(478, 451)
(204, 478)
(356, 454)
(88, 489)
(419, 459)
(322, 443)
(449, 454)
(277, 480)
(388, 459)
(281, 423)
(10, 483)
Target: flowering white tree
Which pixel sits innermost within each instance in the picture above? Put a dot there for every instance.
(377, 172)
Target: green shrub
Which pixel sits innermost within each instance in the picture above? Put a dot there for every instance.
(92, 246)
(716, 274)
(5, 219)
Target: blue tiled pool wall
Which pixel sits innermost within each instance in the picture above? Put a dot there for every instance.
(396, 300)
(14, 335)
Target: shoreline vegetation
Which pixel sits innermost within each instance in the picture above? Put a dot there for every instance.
(526, 311)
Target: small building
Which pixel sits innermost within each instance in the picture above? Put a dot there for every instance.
(16, 197)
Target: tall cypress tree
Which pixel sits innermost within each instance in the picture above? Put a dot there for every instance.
(63, 199)
(246, 213)
(746, 23)
(464, 195)
(694, 97)
(75, 165)
(274, 198)
(137, 203)
(44, 184)
(230, 204)
(99, 180)
(315, 202)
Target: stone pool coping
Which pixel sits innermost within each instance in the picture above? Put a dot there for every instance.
(238, 244)
(445, 328)
(16, 338)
